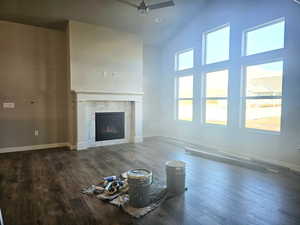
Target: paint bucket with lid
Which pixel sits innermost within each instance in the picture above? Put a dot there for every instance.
(175, 171)
(139, 182)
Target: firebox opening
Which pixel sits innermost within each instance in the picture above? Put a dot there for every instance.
(110, 126)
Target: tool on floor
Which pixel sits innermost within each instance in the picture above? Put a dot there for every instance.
(134, 192)
(1, 218)
(110, 178)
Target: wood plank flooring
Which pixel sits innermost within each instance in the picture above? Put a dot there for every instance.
(43, 188)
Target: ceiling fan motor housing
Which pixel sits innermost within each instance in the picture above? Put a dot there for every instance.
(143, 8)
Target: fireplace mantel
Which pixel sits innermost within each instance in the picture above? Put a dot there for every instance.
(84, 98)
(109, 92)
(109, 96)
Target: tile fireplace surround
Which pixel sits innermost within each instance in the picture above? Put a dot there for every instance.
(89, 103)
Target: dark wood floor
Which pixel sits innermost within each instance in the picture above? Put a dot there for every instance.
(43, 187)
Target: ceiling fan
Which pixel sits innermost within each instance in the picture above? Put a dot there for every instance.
(297, 1)
(144, 8)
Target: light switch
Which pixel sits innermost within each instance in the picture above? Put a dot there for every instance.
(8, 105)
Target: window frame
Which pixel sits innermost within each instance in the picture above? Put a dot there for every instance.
(244, 97)
(204, 44)
(177, 98)
(269, 23)
(176, 64)
(204, 98)
(237, 61)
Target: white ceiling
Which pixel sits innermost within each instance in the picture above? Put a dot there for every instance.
(55, 13)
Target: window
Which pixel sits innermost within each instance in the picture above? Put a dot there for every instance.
(262, 79)
(216, 45)
(184, 60)
(263, 96)
(264, 38)
(216, 97)
(263, 82)
(185, 98)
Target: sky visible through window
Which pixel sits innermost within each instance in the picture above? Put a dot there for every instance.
(270, 37)
(263, 84)
(264, 80)
(217, 45)
(185, 60)
(185, 95)
(216, 87)
(185, 87)
(217, 84)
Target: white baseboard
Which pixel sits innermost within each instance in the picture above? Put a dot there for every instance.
(151, 136)
(288, 165)
(291, 166)
(82, 145)
(33, 147)
(138, 139)
(72, 147)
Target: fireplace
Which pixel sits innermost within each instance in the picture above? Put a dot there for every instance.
(109, 126)
(89, 121)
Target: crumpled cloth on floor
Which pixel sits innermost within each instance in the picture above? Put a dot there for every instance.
(157, 196)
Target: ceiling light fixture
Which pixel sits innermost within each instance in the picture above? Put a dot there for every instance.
(158, 20)
(142, 8)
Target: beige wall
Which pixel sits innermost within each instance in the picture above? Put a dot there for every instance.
(32, 69)
(102, 59)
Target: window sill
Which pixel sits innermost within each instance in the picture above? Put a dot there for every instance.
(184, 121)
(214, 125)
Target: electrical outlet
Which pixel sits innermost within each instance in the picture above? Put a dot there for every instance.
(36, 133)
(298, 147)
(8, 105)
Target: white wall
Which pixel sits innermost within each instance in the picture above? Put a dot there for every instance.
(241, 15)
(102, 59)
(151, 79)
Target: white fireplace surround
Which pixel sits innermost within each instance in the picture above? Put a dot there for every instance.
(88, 103)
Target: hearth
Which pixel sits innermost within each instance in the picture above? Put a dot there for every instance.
(109, 126)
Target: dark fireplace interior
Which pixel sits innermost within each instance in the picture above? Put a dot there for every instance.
(110, 126)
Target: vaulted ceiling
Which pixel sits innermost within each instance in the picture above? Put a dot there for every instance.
(155, 28)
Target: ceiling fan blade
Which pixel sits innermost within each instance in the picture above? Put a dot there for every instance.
(128, 3)
(161, 5)
(297, 1)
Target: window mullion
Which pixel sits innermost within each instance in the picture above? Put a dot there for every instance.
(216, 98)
(263, 97)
